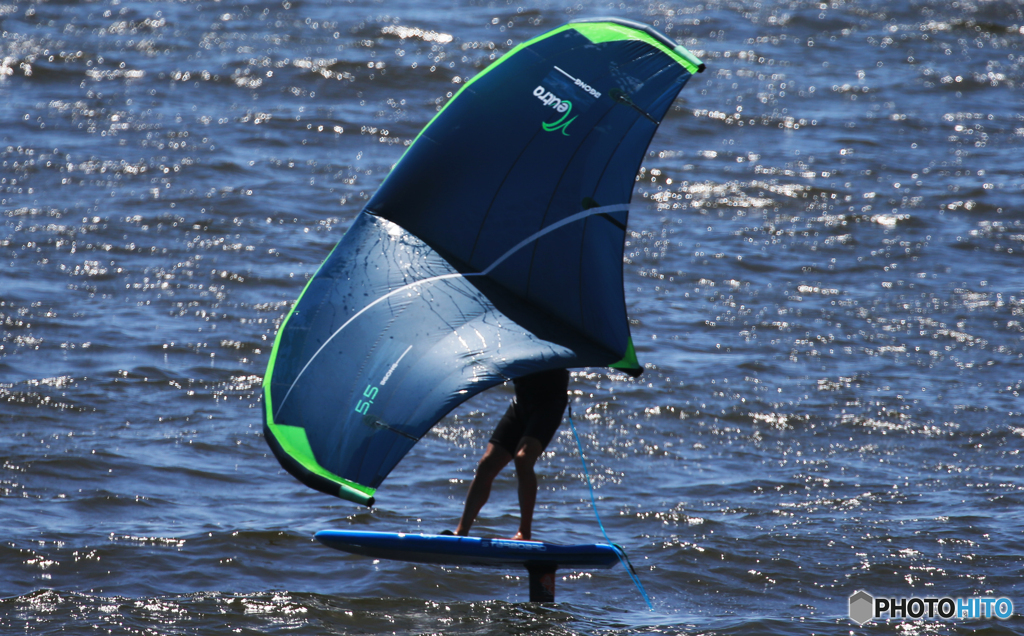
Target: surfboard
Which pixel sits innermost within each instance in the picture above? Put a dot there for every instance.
(476, 551)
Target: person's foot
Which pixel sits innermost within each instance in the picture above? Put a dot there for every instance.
(519, 537)
(447, 533)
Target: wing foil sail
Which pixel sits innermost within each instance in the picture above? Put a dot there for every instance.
(492, 250)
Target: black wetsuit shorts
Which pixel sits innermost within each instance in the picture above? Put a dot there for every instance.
(536, 411)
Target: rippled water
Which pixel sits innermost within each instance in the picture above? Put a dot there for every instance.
(823, 271)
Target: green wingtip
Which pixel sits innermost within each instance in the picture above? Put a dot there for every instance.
(295, 444)
(598, 32)
(629, 363)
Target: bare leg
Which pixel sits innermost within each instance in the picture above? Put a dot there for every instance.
(527, 454)
(495, 458)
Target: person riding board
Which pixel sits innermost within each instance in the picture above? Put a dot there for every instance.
(521, 436)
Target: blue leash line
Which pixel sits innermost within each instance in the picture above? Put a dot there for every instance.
(593, 503)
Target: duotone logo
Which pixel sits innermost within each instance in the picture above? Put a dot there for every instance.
(562, 106)
(862, 607)
(575, 87)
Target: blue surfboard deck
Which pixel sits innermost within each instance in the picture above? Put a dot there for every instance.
(452, 550)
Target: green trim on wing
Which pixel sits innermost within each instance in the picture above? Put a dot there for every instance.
(277, 343)
(277, 338)
(487, 70)
(596, 32)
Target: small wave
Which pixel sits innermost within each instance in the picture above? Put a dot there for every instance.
(404, 32)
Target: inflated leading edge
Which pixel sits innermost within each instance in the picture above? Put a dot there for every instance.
(492, 250)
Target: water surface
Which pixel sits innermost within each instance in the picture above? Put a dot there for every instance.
(823, 273)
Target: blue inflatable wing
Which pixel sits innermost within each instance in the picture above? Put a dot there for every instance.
(492, 250)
